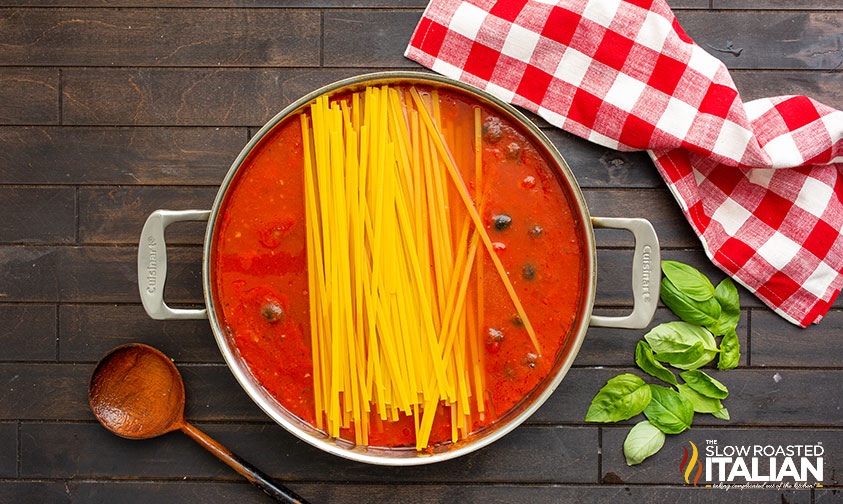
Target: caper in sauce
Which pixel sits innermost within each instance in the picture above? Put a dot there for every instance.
(271, 312)
(528, 272)
(502, 221)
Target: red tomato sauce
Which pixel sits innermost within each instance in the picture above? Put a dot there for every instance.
(260, 270)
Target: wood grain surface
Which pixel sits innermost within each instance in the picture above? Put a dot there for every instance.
(110, 109)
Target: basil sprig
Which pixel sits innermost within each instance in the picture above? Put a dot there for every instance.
(730, 353)
(622, 397)
(684, 358)
(669, 411)
(684, 345)
(645, 360)
(688, 280)
(706, 312)
(643, 440)
(730, 310)
(704, 384)
(700, 402)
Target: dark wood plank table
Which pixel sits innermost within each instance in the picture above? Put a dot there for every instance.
(108, 112)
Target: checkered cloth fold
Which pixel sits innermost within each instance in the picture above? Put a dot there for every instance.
(760, 182)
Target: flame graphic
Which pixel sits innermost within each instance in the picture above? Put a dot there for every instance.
(693, 462)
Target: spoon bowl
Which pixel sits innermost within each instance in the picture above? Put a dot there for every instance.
(136, 392)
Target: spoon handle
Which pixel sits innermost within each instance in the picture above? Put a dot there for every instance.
(279, 492)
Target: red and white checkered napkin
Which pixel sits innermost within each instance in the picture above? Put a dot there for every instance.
(760, 182)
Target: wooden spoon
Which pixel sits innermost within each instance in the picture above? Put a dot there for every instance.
(136, 392)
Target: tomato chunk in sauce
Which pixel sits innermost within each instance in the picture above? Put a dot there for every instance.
(259, 265)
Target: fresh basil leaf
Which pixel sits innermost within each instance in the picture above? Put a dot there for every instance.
(643, 440)
(722, 413)
(624, 396)
(645, 360)
(683, 358)
(730, 351)
(669, 411)
(701, 403)
(705, 384)
(687, 279)
(702, 361)
(726, 295)
(677, 337)
(705, 313)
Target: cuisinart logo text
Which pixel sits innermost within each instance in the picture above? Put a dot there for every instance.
(794, 464)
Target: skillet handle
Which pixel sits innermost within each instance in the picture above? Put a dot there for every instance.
(646, 273)
(152, 264)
